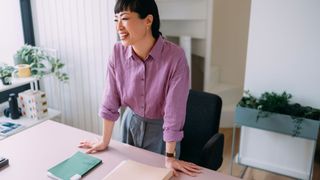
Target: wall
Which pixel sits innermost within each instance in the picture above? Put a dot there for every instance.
(283, 54)
(283, 50)
(11, 32)
(193, 19)
(83, 34)
(230, 34)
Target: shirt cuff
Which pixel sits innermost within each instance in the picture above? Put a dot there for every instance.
(170, 136)
(109, 115)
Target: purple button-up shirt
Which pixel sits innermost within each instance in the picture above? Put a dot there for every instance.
(155, 88)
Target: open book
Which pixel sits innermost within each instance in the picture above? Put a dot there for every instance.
(128, 170)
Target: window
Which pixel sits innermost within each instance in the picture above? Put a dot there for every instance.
(11, 31)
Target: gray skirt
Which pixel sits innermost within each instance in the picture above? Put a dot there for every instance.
(144, 133)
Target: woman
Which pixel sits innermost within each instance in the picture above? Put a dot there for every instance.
(150, 76)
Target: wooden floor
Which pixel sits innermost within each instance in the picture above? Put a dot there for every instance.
(250, 173)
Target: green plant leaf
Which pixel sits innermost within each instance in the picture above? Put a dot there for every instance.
(60, 65)
(37, 58)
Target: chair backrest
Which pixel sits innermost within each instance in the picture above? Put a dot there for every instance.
(202, 123)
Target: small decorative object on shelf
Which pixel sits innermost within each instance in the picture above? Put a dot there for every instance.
(275, 112)
(33, 104)
(41, 63)
(22, 71)
(6, 73)
(13, 111)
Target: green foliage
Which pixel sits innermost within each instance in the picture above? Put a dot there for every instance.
(249, 101)
(6, 70)
(273, 102)
(56, 65)
(6, 73)
(40, 62)
(279, 103)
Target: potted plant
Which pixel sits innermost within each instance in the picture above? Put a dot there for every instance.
(6, 73)
(41, 63)
(276, 113)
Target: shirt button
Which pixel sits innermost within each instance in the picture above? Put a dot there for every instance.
(142, 79)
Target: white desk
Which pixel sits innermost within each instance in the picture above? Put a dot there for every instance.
(32, 152)
(27, 123)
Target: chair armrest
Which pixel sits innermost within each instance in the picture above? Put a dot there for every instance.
(211, 156)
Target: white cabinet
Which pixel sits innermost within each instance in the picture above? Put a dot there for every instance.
(276, 152)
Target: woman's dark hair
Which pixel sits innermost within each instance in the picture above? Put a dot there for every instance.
(143, 8)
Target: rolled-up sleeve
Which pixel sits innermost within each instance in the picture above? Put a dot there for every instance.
(111, 99)
(176, 102)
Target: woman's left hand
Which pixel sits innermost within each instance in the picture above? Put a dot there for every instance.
(183, 166)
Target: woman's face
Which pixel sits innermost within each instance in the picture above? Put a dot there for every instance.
(131, 28)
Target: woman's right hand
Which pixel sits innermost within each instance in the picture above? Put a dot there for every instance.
(93, 147)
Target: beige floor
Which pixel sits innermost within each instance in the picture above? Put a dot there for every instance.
(254, 174)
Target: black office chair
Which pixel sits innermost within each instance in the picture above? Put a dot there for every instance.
(202, 143)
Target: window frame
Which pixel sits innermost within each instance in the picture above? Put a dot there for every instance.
(28, 33)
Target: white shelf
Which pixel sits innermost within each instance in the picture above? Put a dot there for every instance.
(24, 121)
(27, 123)
(16, 83)
(194, 29)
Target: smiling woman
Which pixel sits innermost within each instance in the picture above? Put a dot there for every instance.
(150, 76)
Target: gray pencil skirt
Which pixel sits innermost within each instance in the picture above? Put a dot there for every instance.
(144, 133)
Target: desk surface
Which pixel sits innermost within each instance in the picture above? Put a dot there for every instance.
(35, 150)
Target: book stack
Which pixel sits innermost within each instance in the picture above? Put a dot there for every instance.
(33, 104)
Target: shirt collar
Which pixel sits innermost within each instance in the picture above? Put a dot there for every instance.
(157, 48)
(155, 52)
(129, 52)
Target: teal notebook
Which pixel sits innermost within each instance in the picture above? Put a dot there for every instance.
(74, 167)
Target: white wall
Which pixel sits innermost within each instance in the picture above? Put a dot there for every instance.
(230, 35)
(11, 32)
(283, 54)
(284, 49)
(83, 34)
